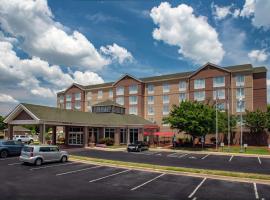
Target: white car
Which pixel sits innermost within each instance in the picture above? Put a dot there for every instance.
(23, 138)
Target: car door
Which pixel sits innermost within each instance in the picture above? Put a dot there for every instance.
(44, 152)
(55, 153)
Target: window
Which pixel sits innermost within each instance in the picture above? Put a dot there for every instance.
(165, 109)
(240, 106)
(150, 99)
(133, 110)
(151, 110)
(240, 80)
(219, 81)
(133, 100)
(221, 106)
(109, 133)
(77, 105)
(61, 99)
(120, 100)
(133, 89)
(150, 88)
(199, 84)
(182, 85)
(240, 93)
(166, 99)
(120, 90)
(133, 135)
(68, 105)
(78, 96)
(68, 97)
(123, 136)
(199, 96)
(220, 94)
(166, 87)
(111, 93)
(182, 97)
(100, 94)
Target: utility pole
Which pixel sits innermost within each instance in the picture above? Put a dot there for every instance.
(228, 112)
(241, 121)
(216, 121)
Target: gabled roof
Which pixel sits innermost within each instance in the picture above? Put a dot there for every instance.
(73, 84)
(102, 85)
(108, 103)
(259, 69)
(56, 115)
(127, 75)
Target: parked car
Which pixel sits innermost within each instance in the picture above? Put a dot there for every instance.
(39, 154)
(23, 138)
(10, 148)
(138, 146)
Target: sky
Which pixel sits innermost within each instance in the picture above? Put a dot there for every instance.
(46, 45)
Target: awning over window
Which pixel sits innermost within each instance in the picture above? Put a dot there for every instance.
(161, 134)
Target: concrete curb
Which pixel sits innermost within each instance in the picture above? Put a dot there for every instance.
(216, 177)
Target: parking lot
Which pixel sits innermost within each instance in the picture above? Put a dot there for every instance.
(86, 181)
(192, 160)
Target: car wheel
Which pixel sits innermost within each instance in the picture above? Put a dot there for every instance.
(38, 162)
(19, 140)
(3, 154)
(64, 159)
(31, 141)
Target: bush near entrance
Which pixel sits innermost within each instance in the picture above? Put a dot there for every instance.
(107, 141)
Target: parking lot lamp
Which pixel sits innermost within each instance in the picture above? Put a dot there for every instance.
(241, 125)
(216, 121)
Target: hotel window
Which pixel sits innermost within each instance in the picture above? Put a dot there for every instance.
(133, 109)
(240, 80)
(166, 109)
(111, 93)
(133, 89)
(240, 92)
(220, 94)
(77, 105)
(182, 97)
(221, 106)
(240, 106)
(133, 100)
(120, 100)
(120, 90)
(166, 87)
(61, 99)
(109, 133)
(78, 96)
(199, 84)
(100, 94)
(150, 99)
(68, 105)
(150, 88)
(68, 97)
(151, 110)
(182, 86)
(199, 96)
(219, 81)
(166, 99)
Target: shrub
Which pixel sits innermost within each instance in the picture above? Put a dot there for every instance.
(107, 141)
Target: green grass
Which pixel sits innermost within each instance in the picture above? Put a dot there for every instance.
(175, 169)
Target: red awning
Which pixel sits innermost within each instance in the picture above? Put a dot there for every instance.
(162, 134)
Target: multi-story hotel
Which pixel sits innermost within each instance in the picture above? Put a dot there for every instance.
(234, 88)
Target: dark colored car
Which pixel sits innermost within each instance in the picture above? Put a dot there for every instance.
(138, 146)
(10, 148)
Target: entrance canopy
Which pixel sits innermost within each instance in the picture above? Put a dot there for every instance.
(161, 134)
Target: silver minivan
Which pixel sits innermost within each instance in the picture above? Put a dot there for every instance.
(38, 154)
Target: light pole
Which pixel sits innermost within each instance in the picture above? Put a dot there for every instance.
(216, 122)
(228, 112)
(241, 121)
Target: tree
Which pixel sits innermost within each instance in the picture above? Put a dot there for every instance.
(194, 118)
(268, 117)
(2, 124)
(256, 121)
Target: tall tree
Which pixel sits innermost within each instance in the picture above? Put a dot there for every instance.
(256, 121)
(2, 124)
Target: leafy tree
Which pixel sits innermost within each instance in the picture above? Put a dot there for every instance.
(256, 121)
(2, 124)
(268, 117)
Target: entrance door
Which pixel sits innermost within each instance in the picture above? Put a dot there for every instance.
(94, 131)
(133, 135)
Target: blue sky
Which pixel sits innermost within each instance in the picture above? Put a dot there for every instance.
(47, 45)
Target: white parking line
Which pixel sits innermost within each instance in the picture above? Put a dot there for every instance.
(205, 156)
(135, 188)
(49, 166)
(173, 154)
(8, 158)
(79, 170)
(183, 155)
(231, 158)
(256, 191)
(194, 198)
(259, 160)
(195, 190)
(109, 175)
(18, 163)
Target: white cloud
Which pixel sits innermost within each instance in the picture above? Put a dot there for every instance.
(196, 39)
(4, 98)
(258, 55)
(117, 53)
(87, 78)
(45, 38)
(248, 8)
(221, 12)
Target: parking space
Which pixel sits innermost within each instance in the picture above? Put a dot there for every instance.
(79, 180)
